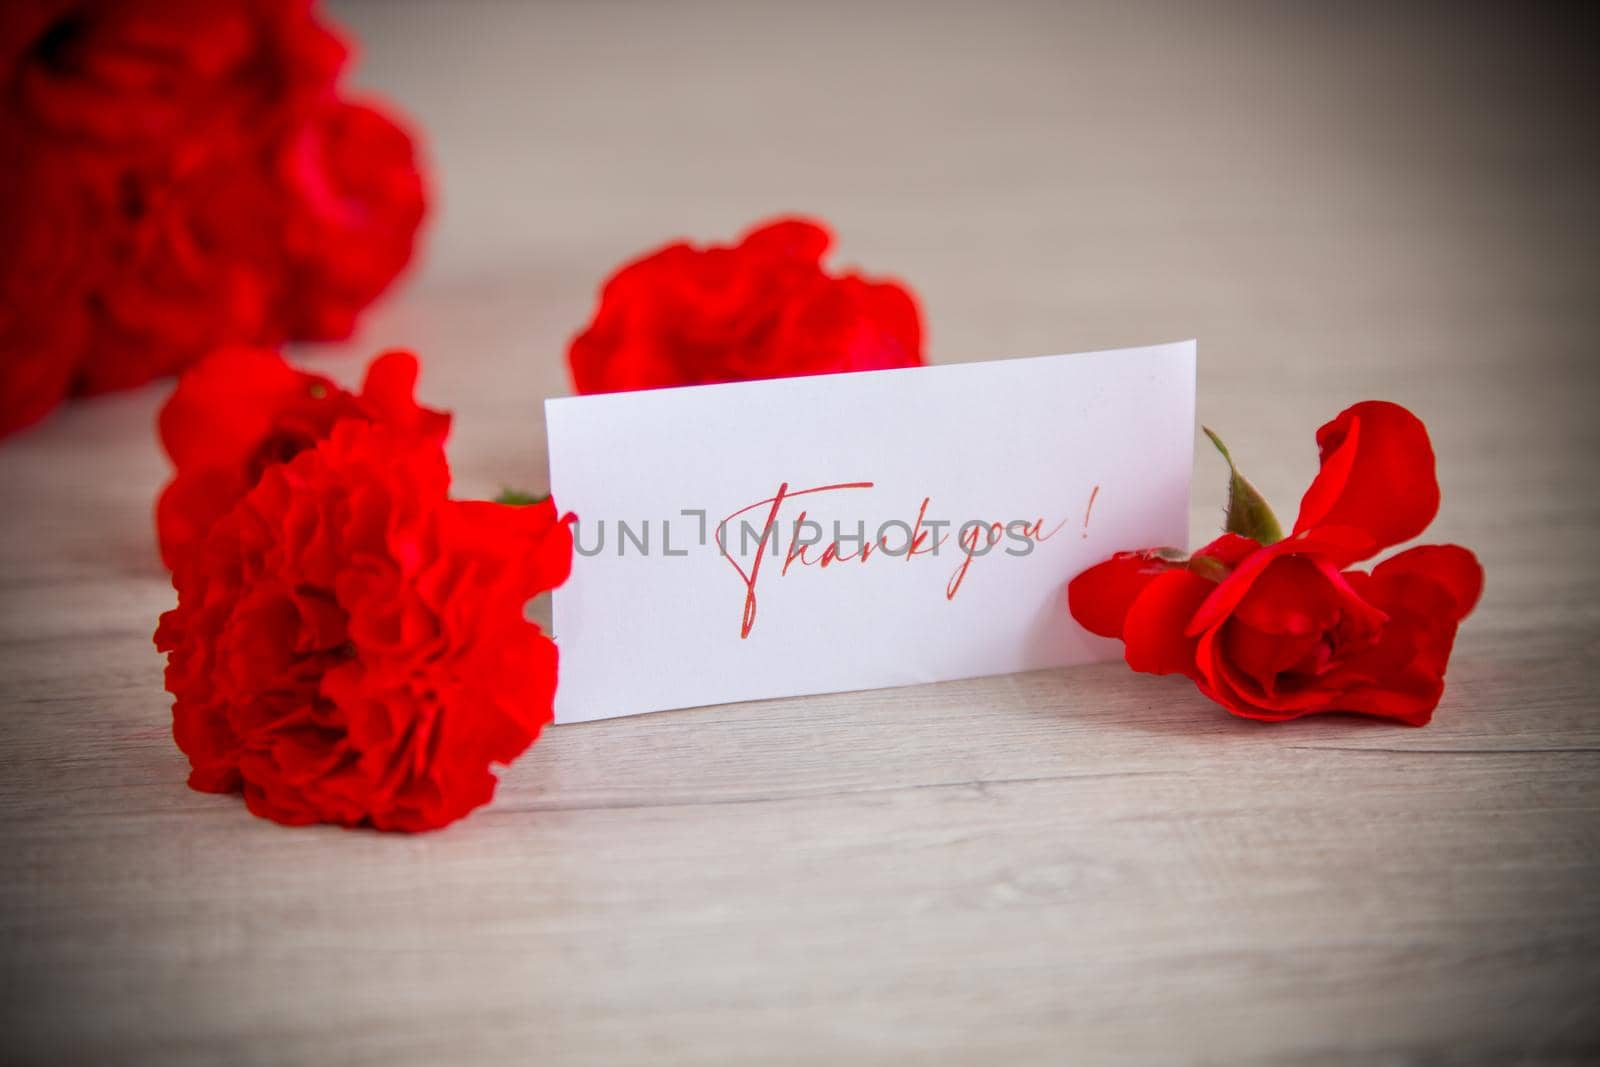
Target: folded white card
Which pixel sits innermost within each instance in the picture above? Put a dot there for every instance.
(852, 531)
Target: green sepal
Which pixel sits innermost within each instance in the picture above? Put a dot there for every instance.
(519, 498)
(1249, 515)
(1212, 570)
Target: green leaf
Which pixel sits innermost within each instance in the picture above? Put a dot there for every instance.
(519, 498)
(1249, 515)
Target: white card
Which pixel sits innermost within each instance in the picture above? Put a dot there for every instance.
(1024, 472)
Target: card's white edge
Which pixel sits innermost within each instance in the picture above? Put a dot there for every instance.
(1112, 650)
(758, 384)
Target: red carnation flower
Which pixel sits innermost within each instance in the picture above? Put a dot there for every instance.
(185, 265)
(355, 201)
(1276, 628)
(763, 308)
(242, 410)
(146, 77)
(349, 645)
(210, 186)
(44, 268)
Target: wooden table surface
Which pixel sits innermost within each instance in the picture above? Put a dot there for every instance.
(1340, 201)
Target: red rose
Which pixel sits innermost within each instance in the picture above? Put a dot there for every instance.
(763, 308)
(1281, 630)
(349, 645)
(242, 410)
(212, 187)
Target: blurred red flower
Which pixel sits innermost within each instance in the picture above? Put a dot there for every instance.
(241, 410)
(178, 174)
(349, 645)
(763, 308)
(1282, 629)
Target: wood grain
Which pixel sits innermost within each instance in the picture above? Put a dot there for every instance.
(1085, 865)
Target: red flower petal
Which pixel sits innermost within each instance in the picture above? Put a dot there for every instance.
(1334, 542)
(796, 238)
(1155, 625)
(1230, 549)
(387, 396)
(188, 506)
(1100, 597)
(1303, 594)
(1377, 476)
(1454, 568)
(225, 405)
